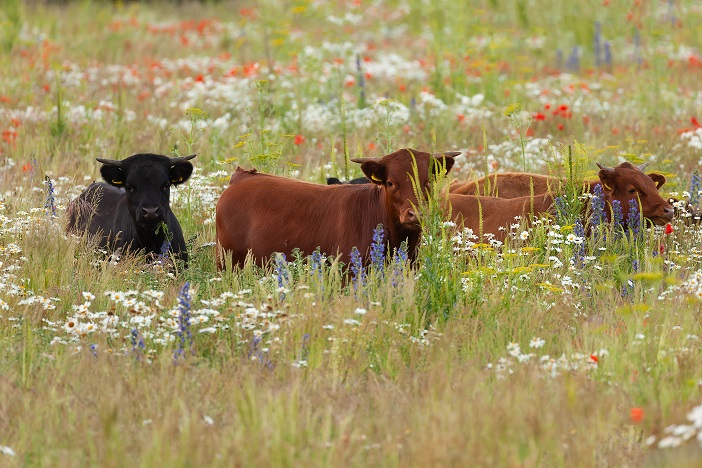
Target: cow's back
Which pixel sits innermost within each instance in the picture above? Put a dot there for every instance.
(263, 214)
(491, 214)
(101, 210)
(508, 185)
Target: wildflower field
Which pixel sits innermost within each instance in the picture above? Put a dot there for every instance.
(554, 348)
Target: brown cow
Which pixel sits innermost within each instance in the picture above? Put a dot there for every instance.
(522, 184)
(508, 185)
(263, 214)
(624, 182)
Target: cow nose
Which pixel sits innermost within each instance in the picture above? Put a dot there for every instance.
(150, 214)
(409, 217)
(669, 211)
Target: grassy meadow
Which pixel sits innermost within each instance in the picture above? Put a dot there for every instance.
(555, 348)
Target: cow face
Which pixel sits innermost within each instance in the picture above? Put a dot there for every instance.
(147, 180)
(627, 182)
(394, 173)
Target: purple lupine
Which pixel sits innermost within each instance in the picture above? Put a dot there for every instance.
(377, 250)
(608, 54)
(357, 272)
(573, 63)
(316, 264)
(50, 203)
(183, 334)
(695, 189)
(598, 43)
(399, 260)
(561, 209)
(634, 220)
(597, 205)
(138, 344)
(579, 251)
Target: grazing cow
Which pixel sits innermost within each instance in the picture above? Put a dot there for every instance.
(335, 181)
(263, 214)
(624, 182)
(128, 212)
(508, 185)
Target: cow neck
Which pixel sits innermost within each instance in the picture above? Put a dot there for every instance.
(396, 233)
(149, 240)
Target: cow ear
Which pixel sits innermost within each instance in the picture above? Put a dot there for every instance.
(374, 171)
(180, 172)
(445, 160)
(607, 177)
(659, 179)
(113, 175)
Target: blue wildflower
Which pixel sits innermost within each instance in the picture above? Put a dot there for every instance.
(377, 251)
(598, 43)
(608, 54)
(357, 272)
(316, 264)
(138, 344)
(634, 220)
(561, 209)
(183, 334)
(597, 205)
(399, 261)
(579, 252)
(50, 202)
(695, 189)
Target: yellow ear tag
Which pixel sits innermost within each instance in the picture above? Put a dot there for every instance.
(180, 179)
(117, 182)
(373, 177)
(606, 186)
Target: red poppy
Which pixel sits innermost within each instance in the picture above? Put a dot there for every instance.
(299, 139)
(538, 116)
(594, 358)
(668, 229)
(637, 415)
(695, 122)
(461, 117)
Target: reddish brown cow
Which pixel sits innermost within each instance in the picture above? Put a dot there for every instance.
(508, 185)
(624, 182)
(263, 214)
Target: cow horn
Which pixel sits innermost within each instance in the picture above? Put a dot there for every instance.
(642, 166)
(604, 168)
(182, 159)
(452, 154)
(109, 162)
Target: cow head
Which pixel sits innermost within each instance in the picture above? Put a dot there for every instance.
(627, 182)
(394, 174)
(147, 180)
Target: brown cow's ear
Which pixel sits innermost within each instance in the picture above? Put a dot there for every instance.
(373, 170)
(446, 160)
(113, 175)
(181, 171)
(606, 175)
(659, 179)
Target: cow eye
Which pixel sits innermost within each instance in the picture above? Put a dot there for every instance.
(129, 188)
(166, 187)
(632, 191)
(390, 184)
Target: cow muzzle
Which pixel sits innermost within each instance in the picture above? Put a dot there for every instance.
(409, 218)
(150, 216)
(665, 217)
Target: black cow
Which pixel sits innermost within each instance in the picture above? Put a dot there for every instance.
(128, 213)
(335, 181)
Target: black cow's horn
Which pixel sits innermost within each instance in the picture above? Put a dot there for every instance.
(452, 154)
(182, 159)
(110, 162)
